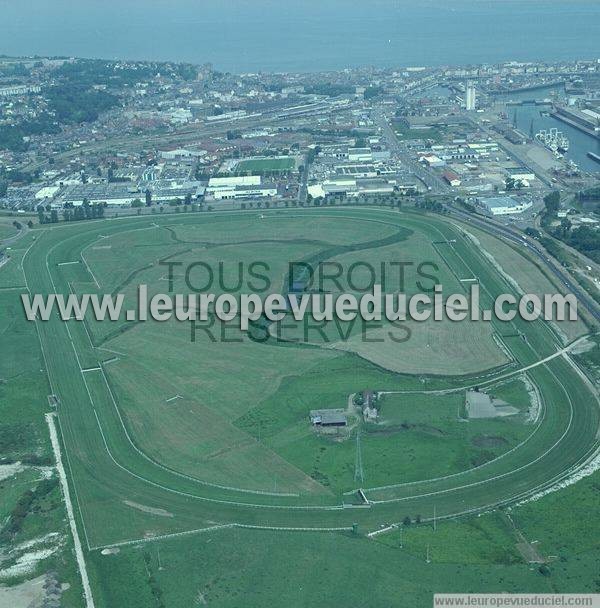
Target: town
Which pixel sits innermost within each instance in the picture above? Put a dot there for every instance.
(169, 137)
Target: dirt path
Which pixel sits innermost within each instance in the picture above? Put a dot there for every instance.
(87, 590)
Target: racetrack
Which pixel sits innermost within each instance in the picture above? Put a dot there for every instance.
(108, 469)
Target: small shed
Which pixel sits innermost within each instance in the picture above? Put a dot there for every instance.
(331, 417)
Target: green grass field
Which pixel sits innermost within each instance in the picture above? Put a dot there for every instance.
(6, 228)
(24, 445)
(528, 276)
(171, 436)
(264, 165)
(404, 133)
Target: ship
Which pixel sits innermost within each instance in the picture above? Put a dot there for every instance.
(554, 140)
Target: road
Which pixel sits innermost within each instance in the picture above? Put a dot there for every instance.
(498, 230)
(10, 241)
(433, 182)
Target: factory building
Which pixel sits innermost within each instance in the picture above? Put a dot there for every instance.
(432, 160)
(123, 194)
(360, 155)
(353, 187)
(180, 153)
(521, 174)
(504, 205)
(239, 187)
(451, 178)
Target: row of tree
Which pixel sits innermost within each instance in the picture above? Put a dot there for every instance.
(71, 213)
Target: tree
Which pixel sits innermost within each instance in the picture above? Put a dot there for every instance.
(29, 224)
(552, 202)
(544, 570)
(532, 232)
(54, 216)
(565, 225)
(85, 207)
(136, 203)
(407, 521)
(148, 198)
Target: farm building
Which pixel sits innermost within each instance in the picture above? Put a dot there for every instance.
(333, 417)
(369, 408)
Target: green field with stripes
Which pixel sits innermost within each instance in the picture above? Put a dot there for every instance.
(167, 440)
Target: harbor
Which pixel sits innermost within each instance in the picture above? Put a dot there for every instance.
(531, 119)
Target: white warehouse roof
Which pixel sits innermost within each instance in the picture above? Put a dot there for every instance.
(243, 180)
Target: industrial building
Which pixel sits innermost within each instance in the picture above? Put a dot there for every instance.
(360, 155)
(163, 190)
(521, 174)
(504, 205)
(352, 186)
(432, 160)
(585, 120)
(123, 194)
(451, 178)
(118, 195)
(180, 153)
(239, 187)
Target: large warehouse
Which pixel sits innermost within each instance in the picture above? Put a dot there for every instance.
(505, 205)
(123, 194)
(237, 187)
